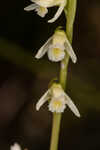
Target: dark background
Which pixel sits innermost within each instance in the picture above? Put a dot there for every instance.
(23, 79)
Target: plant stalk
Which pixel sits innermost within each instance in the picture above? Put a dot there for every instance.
(70, 16)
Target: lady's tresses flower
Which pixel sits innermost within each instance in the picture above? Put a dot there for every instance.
(40, 6)
(56, 47)
(41, 11)
(15, 147)
(58, 100)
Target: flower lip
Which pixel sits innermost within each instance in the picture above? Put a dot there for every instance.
(57, 105)
(56, 52)
(41, 11)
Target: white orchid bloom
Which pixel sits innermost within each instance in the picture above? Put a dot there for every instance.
(56, 47)
(41, 11)
(16, 146)
(41, 7)
(57, 99)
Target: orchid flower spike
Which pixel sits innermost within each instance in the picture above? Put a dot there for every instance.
(56, 47)
(41, 7)
(16, 146)
(58, 100)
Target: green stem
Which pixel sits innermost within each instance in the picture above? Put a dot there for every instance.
(55, 131)
(70, 16)
(63, 71)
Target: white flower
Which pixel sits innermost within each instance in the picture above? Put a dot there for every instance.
(41, 7)
(56, 47)
(41, 11)
(57, 105)
(57, 99)
(16, 146)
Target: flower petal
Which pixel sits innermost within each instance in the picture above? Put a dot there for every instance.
(41, 52)
(42, 100)
(44, 3)
(70, 51)
(58, 13)
(31, 7)
(56, 53)
(57, 105)
(41, 11)
(16, 146)
(71, 105)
